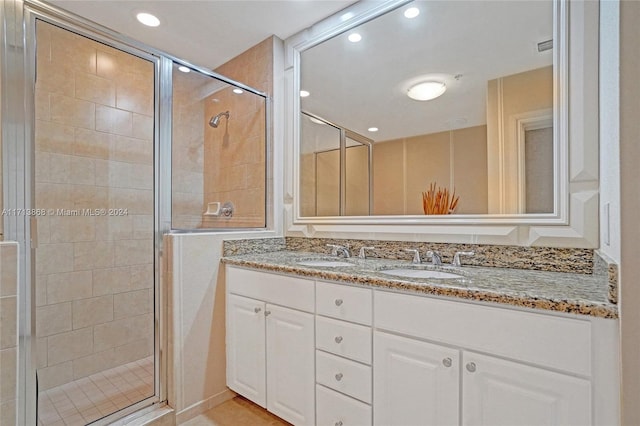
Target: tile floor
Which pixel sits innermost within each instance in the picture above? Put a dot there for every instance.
(88, 399)
(237, 412)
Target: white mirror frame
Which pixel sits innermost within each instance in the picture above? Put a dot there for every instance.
(575, 220)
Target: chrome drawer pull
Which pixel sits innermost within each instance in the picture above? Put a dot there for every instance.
(338, 339)
(338, 302)
(256, 310)
(339, 376)
(339, 423)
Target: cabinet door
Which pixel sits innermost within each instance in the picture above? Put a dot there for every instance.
(498, 392)
(414, 383)
(290, 365)
(246, 348)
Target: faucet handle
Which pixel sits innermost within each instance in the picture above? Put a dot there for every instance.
(456, 257)
(337, 249)
(362, 254)
(436, 259)
(416, 255)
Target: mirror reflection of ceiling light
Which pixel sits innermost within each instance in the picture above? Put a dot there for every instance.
(147, 19)
(238, 91)
(427, 90)
(411, 13)
(183, 68)
(315, 120)
(304, 93)
(354, 37)
(373, 129)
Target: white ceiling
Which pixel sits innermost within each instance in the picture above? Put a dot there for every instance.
(364, 84)
(205, 32)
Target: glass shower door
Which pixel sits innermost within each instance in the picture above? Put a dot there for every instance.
(94, 261)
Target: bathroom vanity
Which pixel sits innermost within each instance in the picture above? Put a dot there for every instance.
(350, 345)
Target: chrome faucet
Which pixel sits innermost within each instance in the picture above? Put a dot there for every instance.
(337, 250)
(362, 254)
(456, 257)
(436, 259)
(416, 255)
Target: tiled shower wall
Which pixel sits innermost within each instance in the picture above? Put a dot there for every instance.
(235, 152)
(94, 150)
(8, 331)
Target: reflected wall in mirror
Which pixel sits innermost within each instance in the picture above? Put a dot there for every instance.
(489, 136)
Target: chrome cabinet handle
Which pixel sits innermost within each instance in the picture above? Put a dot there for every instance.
(447, 362)
(256, 310)
(339, 376)
(267, 313)
(471, 367)
(338, 302)
(339, 423)
(338, 339)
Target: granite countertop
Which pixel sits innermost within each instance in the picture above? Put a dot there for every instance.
(556, 291)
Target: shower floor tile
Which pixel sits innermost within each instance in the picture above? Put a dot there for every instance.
(88, 399)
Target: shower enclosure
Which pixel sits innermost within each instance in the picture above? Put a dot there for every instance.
(119, 144)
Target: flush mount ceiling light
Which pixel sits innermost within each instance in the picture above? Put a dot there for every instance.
(373, 129)
(354, 37)
(411, 13)
(183, 68)
(304, 93)
(238, 91)
(147, 19)
(427, 90)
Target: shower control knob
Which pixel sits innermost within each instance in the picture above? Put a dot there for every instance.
(447, 362)
(256, 310)
(339, 376)
(471, 367)
(338, 339)
(338, 302)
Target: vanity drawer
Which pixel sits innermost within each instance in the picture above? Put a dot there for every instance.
(546, 340)
(344, 338)
(333, 408)
(343, 375)
(344, 302)
(293, 292)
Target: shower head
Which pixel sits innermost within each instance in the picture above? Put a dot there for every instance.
(215, 120)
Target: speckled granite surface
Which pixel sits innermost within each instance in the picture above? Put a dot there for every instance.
(563, 292)
(579, 261)
(605, 267)
(256, 245)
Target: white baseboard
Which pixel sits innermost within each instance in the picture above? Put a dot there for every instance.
(204, 406)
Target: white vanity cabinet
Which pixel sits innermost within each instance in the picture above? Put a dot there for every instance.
(270, 342)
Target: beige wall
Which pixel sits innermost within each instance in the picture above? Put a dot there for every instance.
(94, 150)
(404, 168)
(510, 98)
(8, 332)
(234, 154)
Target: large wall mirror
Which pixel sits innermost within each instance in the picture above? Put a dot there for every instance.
(464, 101)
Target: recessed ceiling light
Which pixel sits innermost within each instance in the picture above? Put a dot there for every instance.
(354, 37)
(183, 68)
(427, 90)
(147, 19)
(412, 12)
(373, 129)
(304, 93)
(238, 91)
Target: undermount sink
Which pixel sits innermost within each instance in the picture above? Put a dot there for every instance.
(420, 273)
(326, 263)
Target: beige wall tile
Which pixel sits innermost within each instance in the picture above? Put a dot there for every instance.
(143, 227)
(55, 375)
(89, 143)
(142, 276)
(83, 171)
(111, 281)
(53, 137)
(120, 332)
(133, 351)
(88, 312)
(8, 412)
(94, 363)
(53, 319)
(53, 258)
(72, 50)
(114, 120)
(106, 64)
(42, 164)
(142, 127)
(95, 89)
(68, 346)
(133, 252)
(41, 352)
(110, 228)
(44, 229)
(89, 197)
(8, 269)
(53, 78)
(72, 228)
(59, 168)
(69, 286)
(43, 111)
(41, 290)
(72, 112)
(53, 196)
(136, 201)
(8, 369)
(132, 303)
(134, 94)
(93, 255)
(132, 150)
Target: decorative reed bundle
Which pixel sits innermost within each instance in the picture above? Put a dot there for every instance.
(438, 201)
